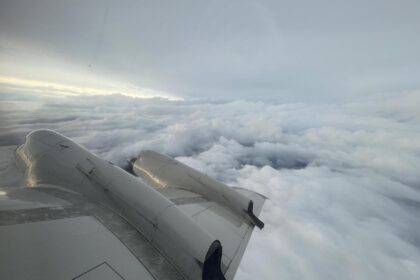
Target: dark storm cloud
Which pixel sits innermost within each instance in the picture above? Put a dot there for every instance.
(342, 179)
(47, 120)
(300, 50)
(8, 139)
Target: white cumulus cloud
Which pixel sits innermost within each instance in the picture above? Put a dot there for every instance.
(343, 180)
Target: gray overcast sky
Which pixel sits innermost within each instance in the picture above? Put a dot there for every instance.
(289, 50)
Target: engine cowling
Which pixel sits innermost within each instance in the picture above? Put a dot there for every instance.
(161, 171)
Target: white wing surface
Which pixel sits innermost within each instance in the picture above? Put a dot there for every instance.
(67, 214)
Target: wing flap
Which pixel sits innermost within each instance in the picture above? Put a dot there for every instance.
(69, 248)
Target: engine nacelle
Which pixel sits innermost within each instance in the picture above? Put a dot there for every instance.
(161, 171)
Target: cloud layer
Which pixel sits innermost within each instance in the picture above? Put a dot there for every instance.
(343, 180)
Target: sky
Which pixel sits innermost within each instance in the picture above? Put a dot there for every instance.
(314, 104)
(256, 50)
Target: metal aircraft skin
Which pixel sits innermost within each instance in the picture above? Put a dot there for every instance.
(65, 213)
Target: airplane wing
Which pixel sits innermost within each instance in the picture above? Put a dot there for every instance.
(208, 202)
(67, 214)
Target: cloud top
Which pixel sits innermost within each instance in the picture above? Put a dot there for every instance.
(342, 179)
